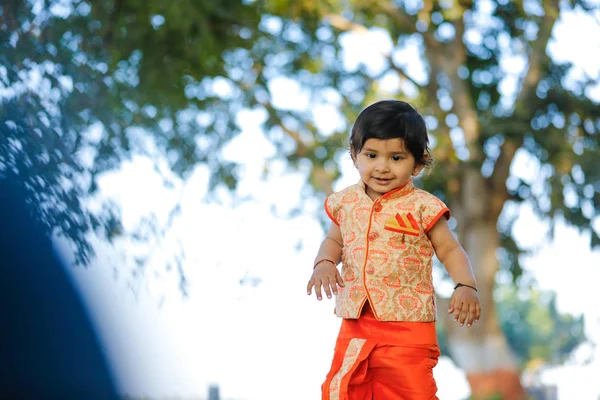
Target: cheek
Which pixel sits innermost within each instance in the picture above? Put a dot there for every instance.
(364, 167)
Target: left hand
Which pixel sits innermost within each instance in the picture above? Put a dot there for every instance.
(465, 305)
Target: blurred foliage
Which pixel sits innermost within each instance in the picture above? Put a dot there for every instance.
(68, 67)
(181, 71)
(533, 326)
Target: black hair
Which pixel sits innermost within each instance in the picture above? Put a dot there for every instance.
(392, 119)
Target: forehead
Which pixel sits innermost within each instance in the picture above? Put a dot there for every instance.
(395, 145)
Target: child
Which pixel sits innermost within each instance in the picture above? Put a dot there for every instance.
(385, 232)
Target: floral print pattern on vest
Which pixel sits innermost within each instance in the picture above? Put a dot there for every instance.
(387, 255)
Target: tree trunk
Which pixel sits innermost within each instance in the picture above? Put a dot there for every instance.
(482, 350)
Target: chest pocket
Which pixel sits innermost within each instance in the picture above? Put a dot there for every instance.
(402, 230)
(404, 223)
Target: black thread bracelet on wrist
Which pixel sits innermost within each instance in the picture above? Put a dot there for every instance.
(462, 284)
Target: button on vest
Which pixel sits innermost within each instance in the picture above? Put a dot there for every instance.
(387, 255)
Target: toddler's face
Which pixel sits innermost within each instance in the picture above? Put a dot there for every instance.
(385, 165)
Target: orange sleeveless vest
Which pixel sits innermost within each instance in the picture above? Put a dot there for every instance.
(387, 256)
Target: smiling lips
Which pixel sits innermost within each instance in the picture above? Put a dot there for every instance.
(382, 181)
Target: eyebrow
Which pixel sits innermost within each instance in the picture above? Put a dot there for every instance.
(375, 151)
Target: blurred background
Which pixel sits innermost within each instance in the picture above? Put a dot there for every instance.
(177, 154)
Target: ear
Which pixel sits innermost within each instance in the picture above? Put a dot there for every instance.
(419, 167)
(353, 155)
(417, 170)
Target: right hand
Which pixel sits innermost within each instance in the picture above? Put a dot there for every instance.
(327, 275)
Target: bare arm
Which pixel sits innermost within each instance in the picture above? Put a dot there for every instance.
(325, 273)
(331, 247)
(464, 302)
(451, 253)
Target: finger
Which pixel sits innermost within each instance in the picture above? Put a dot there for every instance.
(470, 315)
(451, 305)
(464, 314)
(457, 311)
(477, 312)
(339, 279)
(326, 284)
(318, 289)
(333, 285)
(311, 283)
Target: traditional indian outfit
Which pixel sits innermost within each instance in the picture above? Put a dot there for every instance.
(387, 345)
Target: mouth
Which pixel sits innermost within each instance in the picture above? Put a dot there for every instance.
(382, 181)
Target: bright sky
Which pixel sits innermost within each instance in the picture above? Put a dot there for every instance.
(272, 342)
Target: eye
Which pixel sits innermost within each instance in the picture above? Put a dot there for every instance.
(397, 158)
(370, 155)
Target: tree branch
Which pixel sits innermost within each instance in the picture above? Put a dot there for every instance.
(400, 71)
(498, 178)
(401, 19)
(432, 88)
(448, 59)
(537, 54)
(301, 148)
(537, 58)
(343, 24)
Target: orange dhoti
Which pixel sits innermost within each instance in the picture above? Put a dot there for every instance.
(376, 360)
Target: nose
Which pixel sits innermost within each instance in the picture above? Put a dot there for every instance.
(382, 165)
